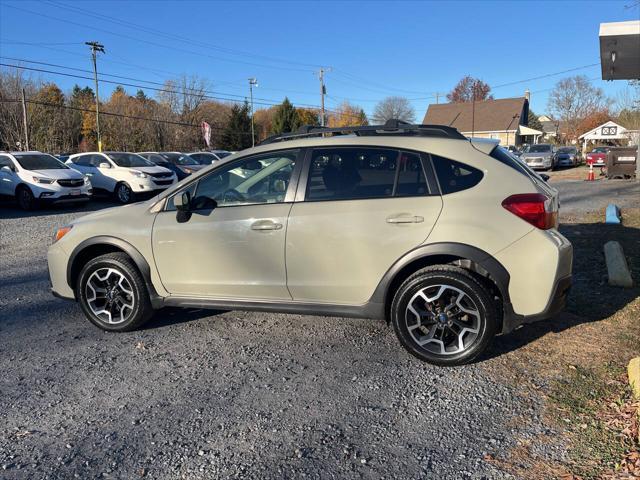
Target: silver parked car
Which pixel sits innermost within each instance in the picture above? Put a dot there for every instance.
(540, 156)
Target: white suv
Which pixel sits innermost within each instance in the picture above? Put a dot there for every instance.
(36, 178)
(122, 174)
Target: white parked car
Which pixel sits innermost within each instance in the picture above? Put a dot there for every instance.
(123, 174)
(38, 178)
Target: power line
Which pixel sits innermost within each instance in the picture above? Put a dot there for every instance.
(156, 44)
(113, 114)
(165, 90)
(127, 78)
(171, 36)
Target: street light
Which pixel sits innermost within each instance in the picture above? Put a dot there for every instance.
(252, 82)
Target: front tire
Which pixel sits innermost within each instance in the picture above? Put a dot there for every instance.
(443, 315)
(25, 198)
(123, 193)
(113, 294)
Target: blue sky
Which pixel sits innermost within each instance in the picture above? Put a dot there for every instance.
(375, 49)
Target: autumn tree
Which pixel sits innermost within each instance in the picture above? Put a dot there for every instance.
(285, 118)
(237, 133)
(593, 120)
(46, 115)
(308, 116)
(397, 108)
(347, 115)
(574, 99)
(263, 122)
(469, 89)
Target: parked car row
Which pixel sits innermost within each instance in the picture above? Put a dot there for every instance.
(546, 156)
(36, 178)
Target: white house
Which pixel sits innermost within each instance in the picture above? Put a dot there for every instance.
(609, 132)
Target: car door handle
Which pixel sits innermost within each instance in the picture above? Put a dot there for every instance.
(264, 225)
(405, 219)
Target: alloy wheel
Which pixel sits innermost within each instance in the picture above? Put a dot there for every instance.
(110, 296)
(124, 193)
(443, 320)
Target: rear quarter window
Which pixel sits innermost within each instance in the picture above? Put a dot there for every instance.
(455, 176)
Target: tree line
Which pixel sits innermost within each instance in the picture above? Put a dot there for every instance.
(65, 122)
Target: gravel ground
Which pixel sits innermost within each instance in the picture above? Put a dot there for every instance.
(201, 394)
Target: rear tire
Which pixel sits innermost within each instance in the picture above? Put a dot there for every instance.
(444, 316)
(113, 294)
(25, 198)
(123, 193)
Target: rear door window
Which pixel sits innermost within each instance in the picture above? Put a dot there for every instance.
(356, 173)
(455, 176)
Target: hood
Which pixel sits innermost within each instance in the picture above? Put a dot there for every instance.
(58, 173)
(194, 167)
(154, 169)
(113, 211)
(536, 154)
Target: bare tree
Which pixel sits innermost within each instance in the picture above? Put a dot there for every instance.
(627, 106)
(11, 126)
(573, 99)
(397, 108)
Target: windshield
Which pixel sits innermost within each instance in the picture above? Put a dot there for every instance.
(40, 161)
(129, 160)
(221, 155)
(539, 148)
(179, 158)
(204, 158)
(600, 150)
(567, 150)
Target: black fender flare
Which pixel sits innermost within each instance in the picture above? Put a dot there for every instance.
(463, 251)
(134, 254)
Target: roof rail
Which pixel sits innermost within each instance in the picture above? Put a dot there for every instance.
(391, 127)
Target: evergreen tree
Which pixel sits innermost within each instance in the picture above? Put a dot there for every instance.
(285, 119)
(534, 122)
(237, 132)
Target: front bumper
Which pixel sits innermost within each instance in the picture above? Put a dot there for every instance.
(152, 184)
(538, 163)
(54, 192)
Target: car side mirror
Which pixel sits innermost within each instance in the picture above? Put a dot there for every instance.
(7, 169)
(182, 201)
(104, 165)
(544, 176)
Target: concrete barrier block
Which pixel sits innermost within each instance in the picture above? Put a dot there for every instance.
(617, 268)
(612, 214)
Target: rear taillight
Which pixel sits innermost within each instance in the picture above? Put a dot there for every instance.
(535, 208)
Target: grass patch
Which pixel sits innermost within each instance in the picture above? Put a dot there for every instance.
(583, 400)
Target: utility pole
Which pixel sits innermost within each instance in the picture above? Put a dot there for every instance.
(252, 81)
(509, 126)
(24, 119)
(323, 92)
(96, 47)
(473, 109)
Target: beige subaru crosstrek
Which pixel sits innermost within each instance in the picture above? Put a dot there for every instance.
(452, 240)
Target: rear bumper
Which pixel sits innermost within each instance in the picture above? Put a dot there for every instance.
(557, 303)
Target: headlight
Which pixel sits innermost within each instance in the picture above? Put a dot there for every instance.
(86, 180)
(61, 232)
(47, 181)
(138, 173)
